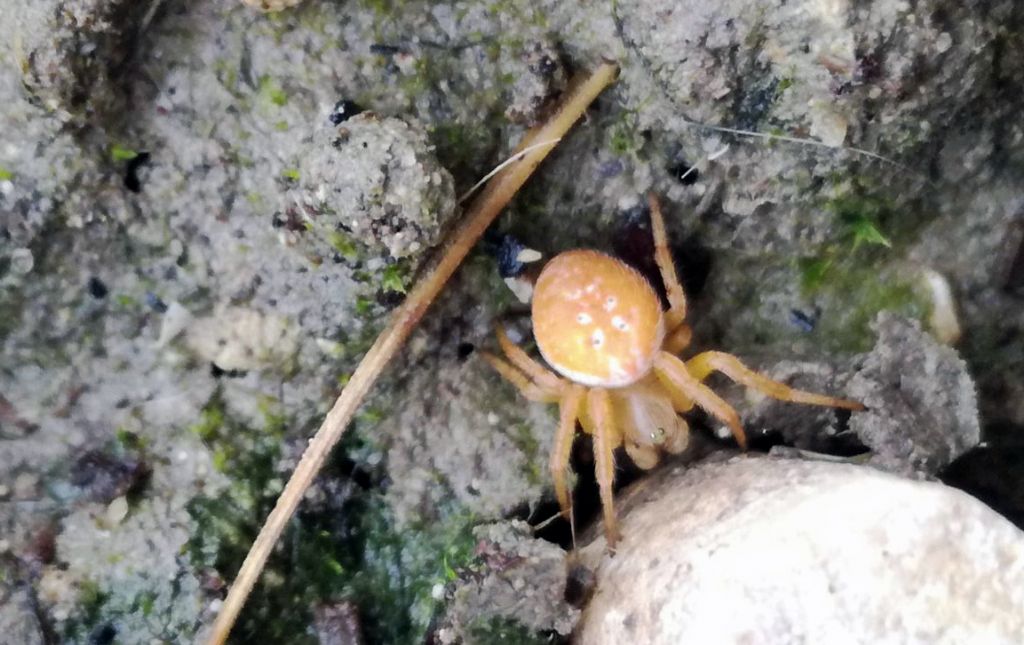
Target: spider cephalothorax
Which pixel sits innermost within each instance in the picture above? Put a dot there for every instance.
(599, 324)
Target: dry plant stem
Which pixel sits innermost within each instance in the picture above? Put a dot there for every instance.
(479, 216)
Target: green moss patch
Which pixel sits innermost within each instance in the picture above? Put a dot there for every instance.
(854, 292)
(507, 632)
(344, 548)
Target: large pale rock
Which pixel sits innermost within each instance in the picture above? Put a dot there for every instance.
(784, 551)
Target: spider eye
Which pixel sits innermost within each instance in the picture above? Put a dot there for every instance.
(658, 436)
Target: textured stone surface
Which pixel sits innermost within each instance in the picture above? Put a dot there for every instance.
(520, 578)
(835, 74)
(784, 551)
(458, 432)
(70, 51)
(922, 409)
(987, 274)
(710, 57)
(376, 180)
(271, 5)
(19, 620)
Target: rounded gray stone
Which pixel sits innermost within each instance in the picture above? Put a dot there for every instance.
(376, 180)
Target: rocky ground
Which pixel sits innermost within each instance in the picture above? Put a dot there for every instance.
(207, 212)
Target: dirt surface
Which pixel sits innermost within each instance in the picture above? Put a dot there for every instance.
(207, 212)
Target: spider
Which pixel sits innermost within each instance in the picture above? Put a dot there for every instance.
(600, 325)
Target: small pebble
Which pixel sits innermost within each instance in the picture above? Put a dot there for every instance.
(270, 6)
(331, 348)
(943, 320)
(117, 510)
(521, 288)
(155, 303)
(75, 438)
(21, 261)
(527, 256)
(25, 485)
(173, 322)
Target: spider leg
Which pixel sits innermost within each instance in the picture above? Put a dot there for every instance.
(522, 360)
(701, 365)
(678, 340)
(528, 388)
(681, 402)
(673, 374)
(599, 409)
(663, 257)
(568, 412)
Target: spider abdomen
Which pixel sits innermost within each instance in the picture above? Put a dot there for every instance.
(596, 320)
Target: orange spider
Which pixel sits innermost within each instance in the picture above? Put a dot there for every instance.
(599, 324)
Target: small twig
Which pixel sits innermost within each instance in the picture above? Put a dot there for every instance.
(801, 141)
(711, 157)
(154, 6)
(483, 211)
(540, 526)
(572, 525)
(504, 164)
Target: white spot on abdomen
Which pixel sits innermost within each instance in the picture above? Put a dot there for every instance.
(609, 303)
(597, 338)
(618, 322)
(615, 367)
(583, 318)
